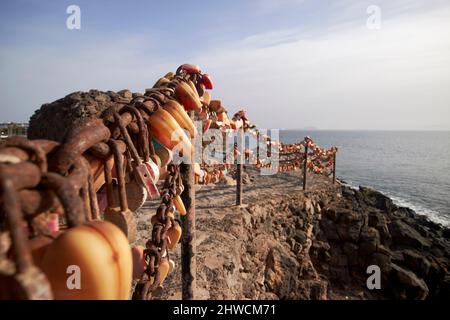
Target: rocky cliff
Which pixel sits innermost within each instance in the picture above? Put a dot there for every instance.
(317, 244)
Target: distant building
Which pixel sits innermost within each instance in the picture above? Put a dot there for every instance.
(10, 129)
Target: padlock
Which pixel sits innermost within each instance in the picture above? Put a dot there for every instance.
(97, 250)
(139, 263)
(207, 178)
(100, 254)
(164, 154)
(171, 265)
(121, 216)
(206, 98)
(67, 193)
(153, 168)
(169, 75)
(157, 161)
(136, 195)
(144, 286)
(164, 268)
(204, 114)
(200, 88)
(207, 81)
(161, 82)
(223, 118)
(188, 68)
(140, 170)
(194, 89)
(181, 116)
(98, 153)
(174, 234)
(216, 106)
(22, 279)
(166, 130)
(187, 97)
(178, 203)
(145, 175)
(207, 125)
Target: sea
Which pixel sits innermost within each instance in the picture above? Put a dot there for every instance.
(411, 167)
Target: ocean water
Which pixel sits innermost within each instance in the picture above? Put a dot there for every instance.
(413, 168)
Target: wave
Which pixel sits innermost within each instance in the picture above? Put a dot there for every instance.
(433, 215)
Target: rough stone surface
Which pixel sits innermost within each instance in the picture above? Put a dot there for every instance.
(290, 244)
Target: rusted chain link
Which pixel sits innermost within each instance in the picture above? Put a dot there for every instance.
(156, 247)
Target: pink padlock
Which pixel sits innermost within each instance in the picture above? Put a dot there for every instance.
(53, 222)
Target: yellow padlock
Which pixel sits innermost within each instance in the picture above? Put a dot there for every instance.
(179, 205)
(206, 98)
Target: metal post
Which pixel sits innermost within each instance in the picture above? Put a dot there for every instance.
(224, 147)
(334, 168)
(305, 167)
(188, 248)
(257, 147)
(239, 168)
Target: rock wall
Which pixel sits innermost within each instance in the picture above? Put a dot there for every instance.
(318, 245)
(260, 252)
(53, 120)
(366, 228)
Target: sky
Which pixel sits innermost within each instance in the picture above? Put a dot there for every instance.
(290, 64)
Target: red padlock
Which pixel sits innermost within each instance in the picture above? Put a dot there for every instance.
(207, 82)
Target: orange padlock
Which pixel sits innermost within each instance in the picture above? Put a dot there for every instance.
(139, 263)
(96, 252)
(187, 97)
(181, 116)
(193, 88)
(174, 235)
(167, 131)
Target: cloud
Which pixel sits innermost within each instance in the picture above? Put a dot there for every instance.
(350, 77)
(269, 6)
(33, 75)
(336, 75)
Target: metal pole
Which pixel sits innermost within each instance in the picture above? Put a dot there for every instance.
(224, 147)
(188, 248)
(334, 168)
(257, 147)
(239, 164)
(305, 167)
